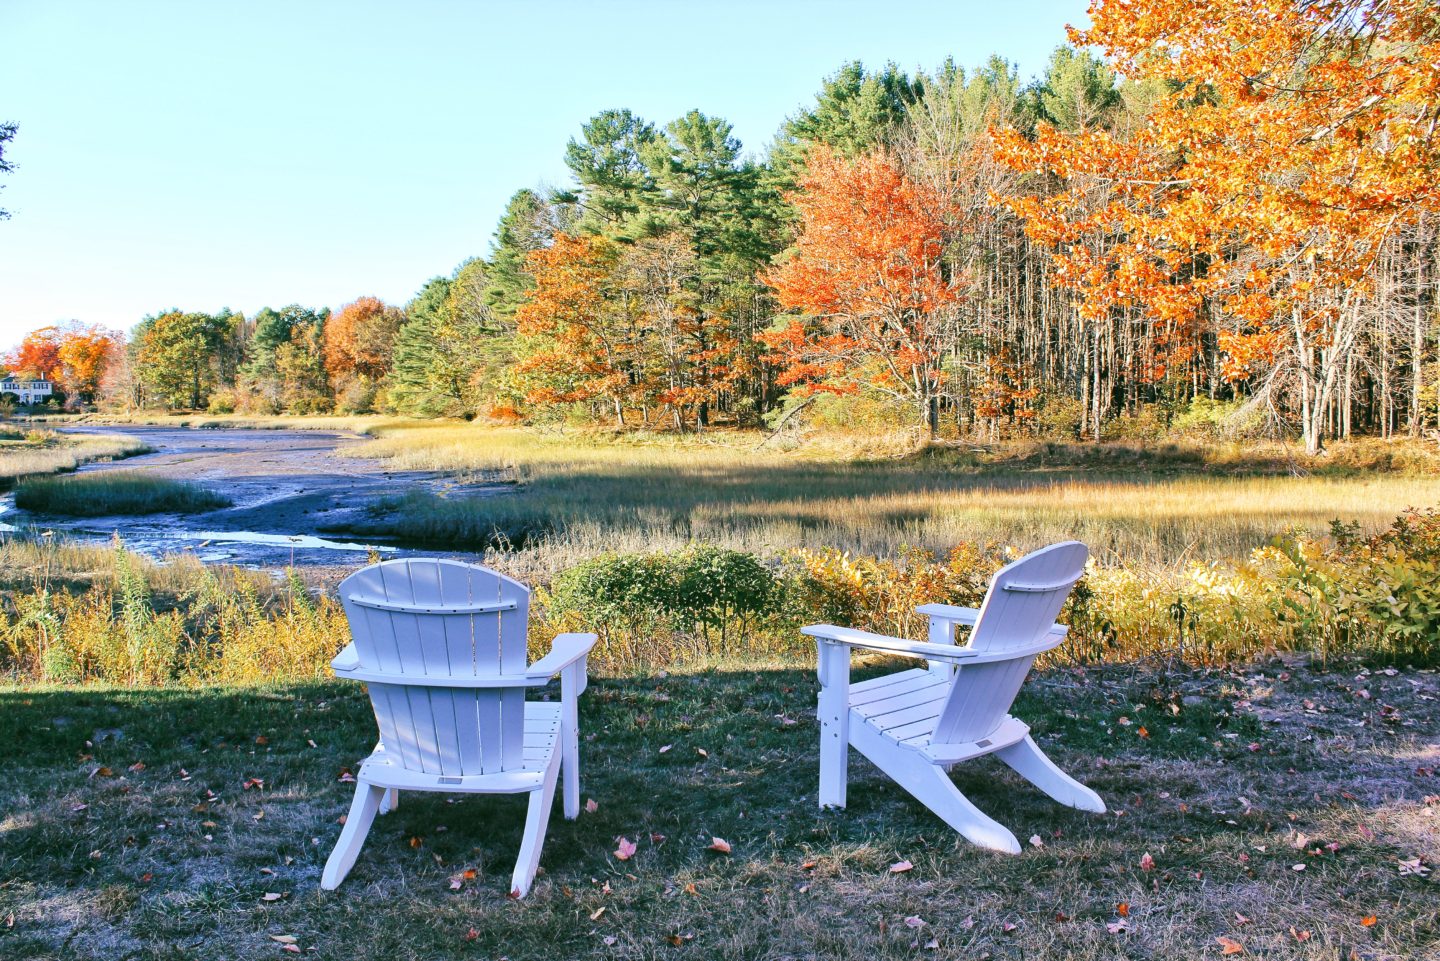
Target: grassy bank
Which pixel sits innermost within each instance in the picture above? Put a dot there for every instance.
(28, 453)
(115, 492)
(1277, 808)
(575, 497)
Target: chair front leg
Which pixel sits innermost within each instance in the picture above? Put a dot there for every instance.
(834, 712)
(572, 682)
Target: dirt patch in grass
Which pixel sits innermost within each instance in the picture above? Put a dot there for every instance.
(154, 824)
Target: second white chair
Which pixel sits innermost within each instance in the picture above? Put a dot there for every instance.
(915, 725)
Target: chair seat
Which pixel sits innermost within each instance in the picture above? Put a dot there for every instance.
(542, 734)
(905, 707)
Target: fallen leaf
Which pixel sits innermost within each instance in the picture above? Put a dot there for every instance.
(282, 938)
(271, 896)
(595, 915)
(137, 767)
(1241, 919)
(590, 806)
(292, 948)
(1115, 927)
(1037, 841)
(691, 889)
(1143, 732)
(415, 842)
(1123, 909)
(720, 844)
(665, 747)
(1230, 946)
(702, 752)
(624, 849)
(1147, 863)
(900, 867)
(914, 922)
(1301, 936)
(1368, 921)
(1413, 866)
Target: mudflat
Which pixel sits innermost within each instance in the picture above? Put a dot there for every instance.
(287, 487)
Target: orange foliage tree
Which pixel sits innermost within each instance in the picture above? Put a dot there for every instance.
(578, 341)
(84, 353)
(1286, 141)
(866, 273)
(38, 356)
(359, 337)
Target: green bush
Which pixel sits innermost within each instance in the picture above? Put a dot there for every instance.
(704, 600)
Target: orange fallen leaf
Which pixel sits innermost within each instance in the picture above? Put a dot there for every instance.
(1368, 921)
(720, 844)
(1301, 936)
(415, 842)
(1123, 909)
(1230, 945)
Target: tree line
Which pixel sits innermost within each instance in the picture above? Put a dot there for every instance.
(1222, 218)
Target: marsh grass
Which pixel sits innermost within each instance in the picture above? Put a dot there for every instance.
(152, 824)
(556, 499)
(39, 452)
(115, 492)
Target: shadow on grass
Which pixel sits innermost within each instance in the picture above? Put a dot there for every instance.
(153, 824)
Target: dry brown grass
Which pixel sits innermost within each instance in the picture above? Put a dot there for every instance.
(576, 496)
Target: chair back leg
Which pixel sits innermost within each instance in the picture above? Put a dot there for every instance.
(352, 836)
(1031, 763)
(537, 818)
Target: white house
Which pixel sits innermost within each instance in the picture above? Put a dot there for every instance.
(26, 391)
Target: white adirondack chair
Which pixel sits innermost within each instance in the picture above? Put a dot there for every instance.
(441, 645)
(915, 725)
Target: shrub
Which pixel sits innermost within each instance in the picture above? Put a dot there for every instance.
(645, 607)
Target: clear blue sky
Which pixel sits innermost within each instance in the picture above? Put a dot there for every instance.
(204, 155)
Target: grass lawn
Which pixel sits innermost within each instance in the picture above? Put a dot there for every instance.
(1278, 806)
(115, 492)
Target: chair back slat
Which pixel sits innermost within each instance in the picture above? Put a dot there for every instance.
(428, 618)
(1019, 609)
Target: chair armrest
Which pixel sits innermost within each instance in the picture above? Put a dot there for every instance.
(347, 660)
(963, 656)
(949, 612)
(850, 637)
(564, 651)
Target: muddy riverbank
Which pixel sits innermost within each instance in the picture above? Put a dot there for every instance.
(287, 488)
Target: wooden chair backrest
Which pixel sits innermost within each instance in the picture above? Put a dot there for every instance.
(1024, 598)
(441, 618)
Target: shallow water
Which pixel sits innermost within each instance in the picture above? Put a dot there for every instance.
(286, 486)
